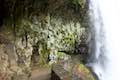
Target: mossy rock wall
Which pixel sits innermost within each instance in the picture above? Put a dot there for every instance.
(51, 34)
(45, 27)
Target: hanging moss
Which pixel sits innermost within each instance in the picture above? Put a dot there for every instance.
(44, 54)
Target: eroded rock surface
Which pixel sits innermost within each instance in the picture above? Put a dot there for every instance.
(9, 69)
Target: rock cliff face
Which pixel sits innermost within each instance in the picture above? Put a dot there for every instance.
(9, 69)
(49, 33)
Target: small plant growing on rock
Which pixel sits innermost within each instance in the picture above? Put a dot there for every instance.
(82, 72)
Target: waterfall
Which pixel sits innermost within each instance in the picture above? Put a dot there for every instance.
(105, 17)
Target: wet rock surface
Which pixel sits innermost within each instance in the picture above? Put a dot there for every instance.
(71, 70)
(9, 69)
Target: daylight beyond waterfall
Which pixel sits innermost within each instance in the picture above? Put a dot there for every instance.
(105, 16)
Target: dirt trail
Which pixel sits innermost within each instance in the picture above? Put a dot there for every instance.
(41, 74)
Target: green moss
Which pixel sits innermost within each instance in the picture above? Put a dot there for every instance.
(61, 54)
(42, 60)
(44, 55)
(83, 69)
(84, 72)
(70, 39)
(79, 2)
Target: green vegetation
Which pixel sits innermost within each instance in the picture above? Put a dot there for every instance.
(79, 2)
(70, 39)
(83, 72)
